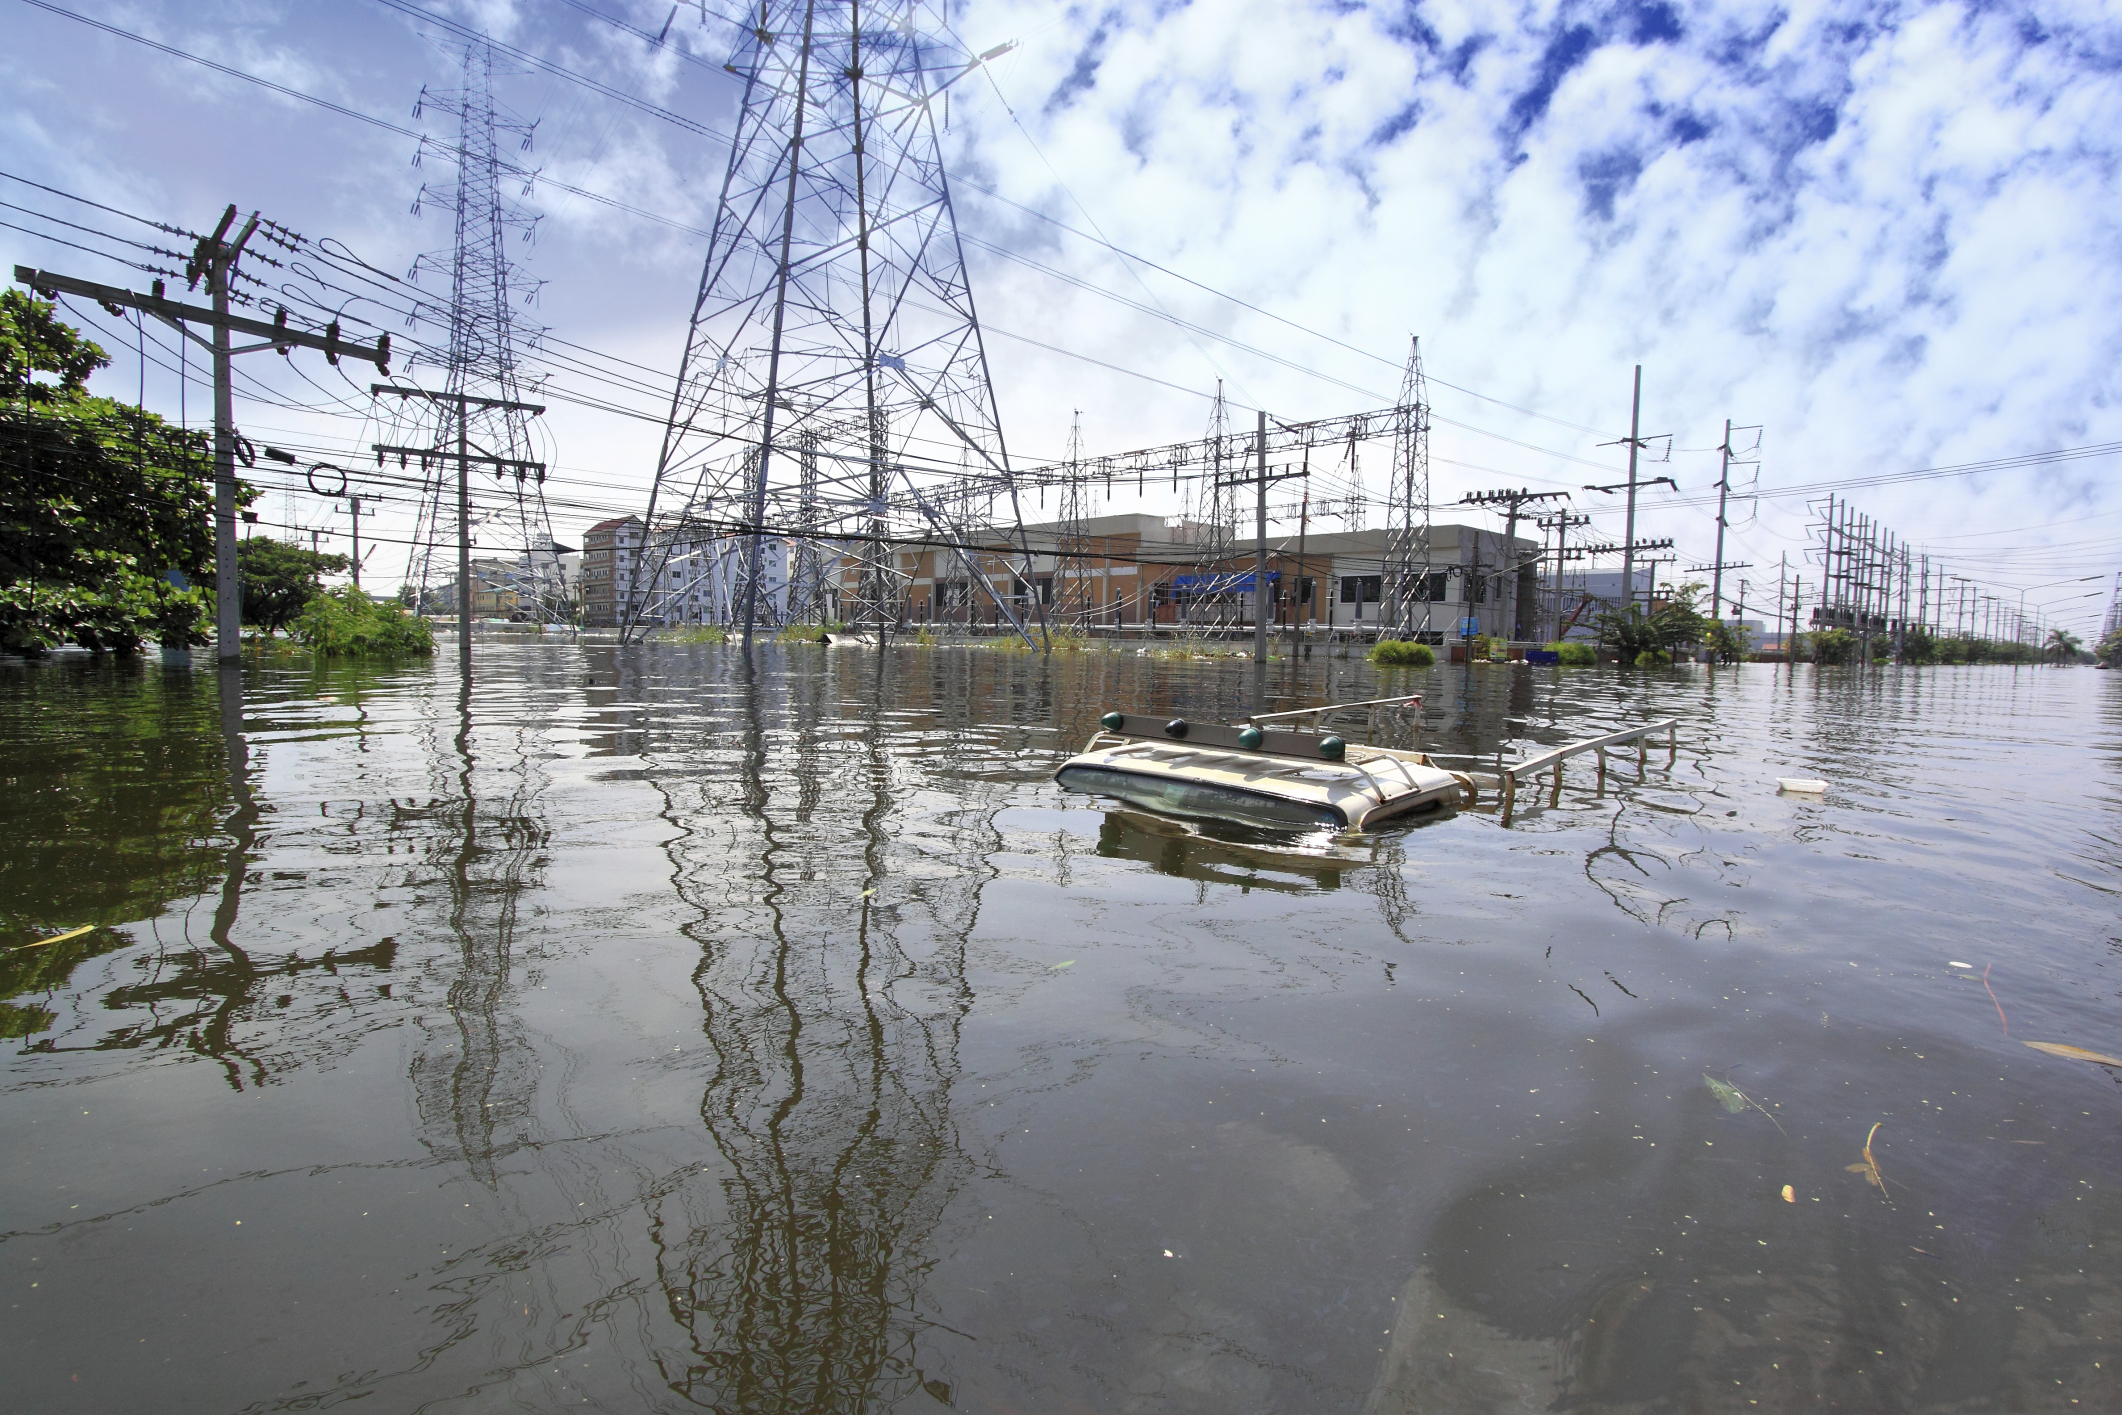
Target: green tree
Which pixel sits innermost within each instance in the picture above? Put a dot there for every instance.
(1729, 641)
(280, 580)
(345, 623)
(1833, 646)
(1633, 631)
(2064, 645)
(99, 501)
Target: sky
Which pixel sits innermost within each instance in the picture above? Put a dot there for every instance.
(1884, 235)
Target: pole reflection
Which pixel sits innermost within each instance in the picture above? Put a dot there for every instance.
(833, 987)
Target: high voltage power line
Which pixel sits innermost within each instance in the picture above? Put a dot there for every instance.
(612, 373)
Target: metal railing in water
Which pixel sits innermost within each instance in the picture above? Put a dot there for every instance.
(1508, 774)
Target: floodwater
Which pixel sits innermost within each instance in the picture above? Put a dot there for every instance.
(662, 1029)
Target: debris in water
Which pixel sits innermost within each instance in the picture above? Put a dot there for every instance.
(2076, 1053)
(1059, 966)
(1870, 1168)
(1801, 785)
(1959, 965)
(1993, 997)
(1790, 1195)
(59, 938)
(1735, 1100)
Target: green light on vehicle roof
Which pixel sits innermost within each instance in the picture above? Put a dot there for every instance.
(1332, 748)
(1250, 739)
(1114, 721)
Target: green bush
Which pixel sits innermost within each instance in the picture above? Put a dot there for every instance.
(1834, 646)
(1402, 653)
(345, 623)
(1576, 655)
(1651, 658)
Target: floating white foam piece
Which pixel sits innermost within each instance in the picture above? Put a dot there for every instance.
(1959, 965)
(1800, 784)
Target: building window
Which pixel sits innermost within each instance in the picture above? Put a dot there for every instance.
(1362, 589)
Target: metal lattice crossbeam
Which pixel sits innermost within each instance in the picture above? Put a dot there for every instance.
(834, 350)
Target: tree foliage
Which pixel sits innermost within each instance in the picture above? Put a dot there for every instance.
(1729, 640)
(1633, 630)
(345, 623)
(99, 500)
(280, 580)
(1402, 653)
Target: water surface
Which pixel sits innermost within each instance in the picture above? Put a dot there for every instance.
(667, 1029)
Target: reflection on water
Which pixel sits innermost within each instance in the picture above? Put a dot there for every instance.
(1288, 862)
(832, 990)
(682, 1029)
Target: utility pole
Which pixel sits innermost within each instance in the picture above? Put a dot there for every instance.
(1260, 598)
(1511, 501)
(1297, 596)
(215, 259)
(463, 403)
(1716, 589)
(1635, 442)
(1628, 530)
(1561, 524)
(354, 504)
(1797, 595)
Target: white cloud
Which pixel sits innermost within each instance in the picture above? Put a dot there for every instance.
(1888, 236)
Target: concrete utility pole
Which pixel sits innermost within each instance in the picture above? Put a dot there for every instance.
(1716, 585)
(1635, 442)
(463, 403)
(1511, 501)
(354, 504)
(1298, 599)
(215, 259)
(1260, 597)
(1561, 523)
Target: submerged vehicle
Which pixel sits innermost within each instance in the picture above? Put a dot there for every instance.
(1260, 772)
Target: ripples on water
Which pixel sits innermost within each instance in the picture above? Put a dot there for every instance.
(653, 1030)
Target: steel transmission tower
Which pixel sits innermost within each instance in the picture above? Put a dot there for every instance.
(1212, 600)
(1073, 590)
(834, 314)
(1407, 509)
(482, 355)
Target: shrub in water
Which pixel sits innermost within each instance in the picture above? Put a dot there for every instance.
(1577, 655)
(1651, 658)
(345, 623)
(1402, 653)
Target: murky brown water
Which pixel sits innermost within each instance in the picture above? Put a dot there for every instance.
(654, 1030)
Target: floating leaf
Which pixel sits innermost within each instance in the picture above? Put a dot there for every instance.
(76, 933)
(2076, 1053)
(1059, 966)
(1790, 1195)
(1870, 1168)
(1735, 1100)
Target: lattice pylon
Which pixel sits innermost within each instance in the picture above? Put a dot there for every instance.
(1074, 593)
(1207, 607)
(1407, 513)
(486, 338)
(834, 298)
